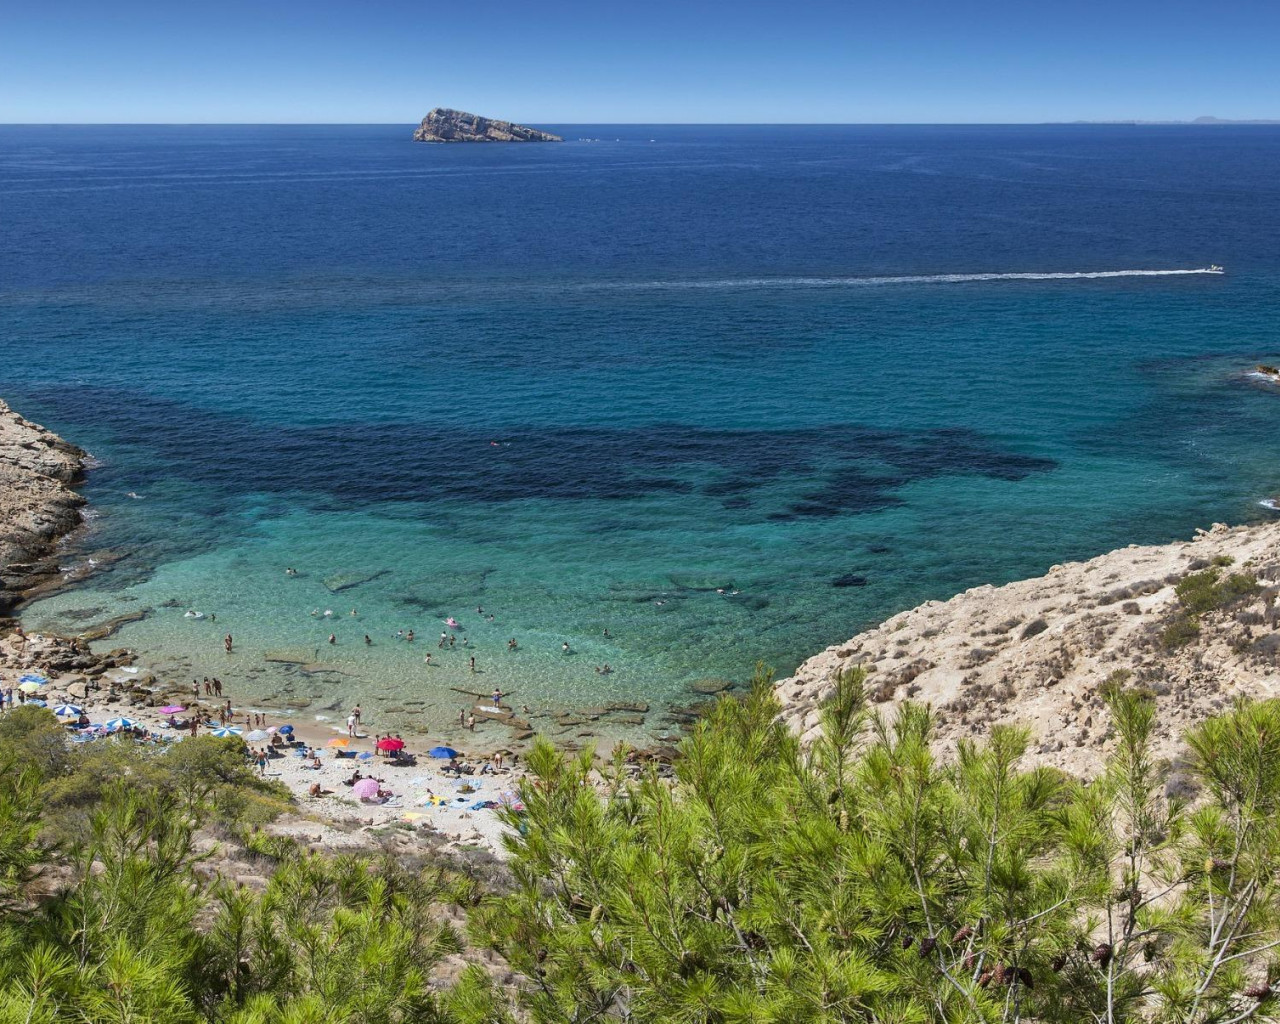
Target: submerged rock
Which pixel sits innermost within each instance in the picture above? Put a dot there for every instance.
(445, 125)
(850, 579)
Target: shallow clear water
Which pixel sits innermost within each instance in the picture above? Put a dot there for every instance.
(589, 386)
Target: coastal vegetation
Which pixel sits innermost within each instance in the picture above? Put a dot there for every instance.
(860, 877)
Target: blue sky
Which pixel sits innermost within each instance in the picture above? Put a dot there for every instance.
(547, 61)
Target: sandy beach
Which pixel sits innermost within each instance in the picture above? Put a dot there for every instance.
(425, 798)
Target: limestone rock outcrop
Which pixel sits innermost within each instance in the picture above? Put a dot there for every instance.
(37, 504)
(445, 125)
(1041, 652)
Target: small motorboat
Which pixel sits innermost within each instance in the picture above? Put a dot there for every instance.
(1216, 268)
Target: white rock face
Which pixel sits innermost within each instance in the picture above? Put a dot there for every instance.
(1037, 651)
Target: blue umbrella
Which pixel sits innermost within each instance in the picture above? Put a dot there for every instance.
(120, 723)
(38, 680)
(286, 729)
(445, 752)
(62, 710)
(366, 756)
(36, 703)
(227, 730)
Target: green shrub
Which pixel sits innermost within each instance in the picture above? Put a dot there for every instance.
(1204, 591)
(1180, 631)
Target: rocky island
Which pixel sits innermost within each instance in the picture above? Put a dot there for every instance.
(445, 125)
(37, 504)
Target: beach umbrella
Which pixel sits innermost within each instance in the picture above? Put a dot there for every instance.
(36, 703)
(81, 737)
(340, 741)
(31, 678)
(62, 710)
(257, 736)
(445, 752)
(227, 730)
(29, 686)
(391, 743)
(172, 709)
(119, 723)
(366, 756)
(365, 789)
(286, 729)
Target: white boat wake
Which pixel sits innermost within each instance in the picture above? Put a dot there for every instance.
(853, 282)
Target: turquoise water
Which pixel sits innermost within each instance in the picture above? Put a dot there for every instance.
(592, 386)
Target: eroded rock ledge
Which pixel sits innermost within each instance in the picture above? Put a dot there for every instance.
(445, 125)
(1041, 651)
(37, 503)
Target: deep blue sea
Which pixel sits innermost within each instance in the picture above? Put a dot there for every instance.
(730, 393)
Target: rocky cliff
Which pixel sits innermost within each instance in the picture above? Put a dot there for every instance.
(1196, 623)
(37, 504)
(445, 125)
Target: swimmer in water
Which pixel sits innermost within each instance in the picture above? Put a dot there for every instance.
(291, 571)
(511, 644)
(409, 636)
(367, 641)
(333, 639)
(427, 659)
(606, 633)
(353, 613)
(134, 494)
(315, 613)
(565, 647)
(328, 613)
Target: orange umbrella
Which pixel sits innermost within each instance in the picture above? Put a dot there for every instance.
(340, 741)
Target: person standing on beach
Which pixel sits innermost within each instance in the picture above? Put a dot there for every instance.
(351, 725)
(195, 689)
(227, 642)
(497, 697)
(473, 663)
(443, 637)
(471, 722)
(462, 717)
(217, 686)
(356, 713)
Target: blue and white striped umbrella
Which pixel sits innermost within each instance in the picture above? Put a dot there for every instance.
(62, 710)
(227, 730)
(35, 703)
(119, 723)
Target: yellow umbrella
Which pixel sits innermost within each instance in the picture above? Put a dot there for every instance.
(340, 741)
(28, 687)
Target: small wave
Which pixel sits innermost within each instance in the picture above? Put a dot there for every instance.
(854, 282)
(1271, 503)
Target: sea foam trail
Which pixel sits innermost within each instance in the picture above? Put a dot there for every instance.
(846, 282)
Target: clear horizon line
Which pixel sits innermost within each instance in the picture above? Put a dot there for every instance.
(1255, 122)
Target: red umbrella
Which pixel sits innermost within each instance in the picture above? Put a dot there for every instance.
(391, 743)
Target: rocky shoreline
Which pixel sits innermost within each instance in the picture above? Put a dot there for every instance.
(1195, 623)
(38, 506)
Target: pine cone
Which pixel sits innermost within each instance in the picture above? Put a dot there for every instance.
(999, 974)
(1258, 991)
(927, 945)
(541, 955)
(985, 980)
(1058, 962)
(907, 940)
(1102, 955)
(1025, 977)
(969, 960)
(962, 934)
